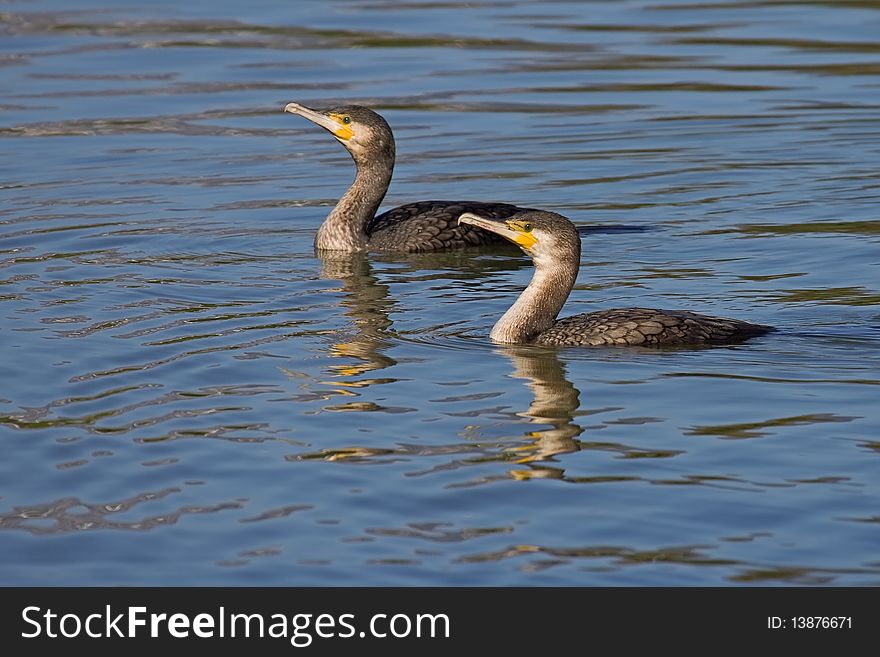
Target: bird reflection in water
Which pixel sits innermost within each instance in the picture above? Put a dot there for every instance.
(366, 302)
(555, 401)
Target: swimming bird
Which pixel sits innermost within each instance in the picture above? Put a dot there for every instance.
(415, 227)
(553, 243)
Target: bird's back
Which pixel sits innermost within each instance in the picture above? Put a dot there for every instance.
(433, 226)
(648, 327)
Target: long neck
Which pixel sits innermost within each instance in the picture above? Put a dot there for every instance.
(537, 307)
(345, 228)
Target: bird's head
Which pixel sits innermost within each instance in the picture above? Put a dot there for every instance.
(364, 133)
(549, 238)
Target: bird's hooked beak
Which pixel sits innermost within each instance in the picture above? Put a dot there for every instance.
(333, 123)
(518, 232)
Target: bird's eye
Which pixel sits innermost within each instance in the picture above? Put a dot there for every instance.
(527, 228)
(346, 120)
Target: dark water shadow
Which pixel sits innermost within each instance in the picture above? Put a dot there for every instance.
(599, 229)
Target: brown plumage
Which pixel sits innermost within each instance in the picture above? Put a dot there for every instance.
(553, 243)
(353, 224)
(432, 226)
(648, 327)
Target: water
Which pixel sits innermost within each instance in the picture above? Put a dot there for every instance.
(190, 396)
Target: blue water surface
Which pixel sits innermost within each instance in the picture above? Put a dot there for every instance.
(191, 396)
